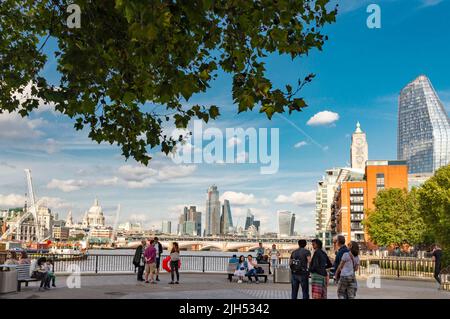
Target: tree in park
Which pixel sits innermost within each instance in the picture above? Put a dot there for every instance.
(395, 219)
(434, 207)
(133, 65)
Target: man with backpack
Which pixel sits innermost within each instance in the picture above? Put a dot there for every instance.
(299, 263)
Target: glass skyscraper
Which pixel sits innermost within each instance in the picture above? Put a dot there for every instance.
(226, 221)
(212, 227)
(423, 128)
(286, 222)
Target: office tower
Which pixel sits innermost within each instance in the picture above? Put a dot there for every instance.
(166, 227)
(359, 150)
(257, 224)
(249, 219)
(286, 223)
(198, 223)
(189, 228)
(181, 230)
(196, 217)
(212, 212)
(190, 222)
(423, 128)
(226, 220)
(324, 199)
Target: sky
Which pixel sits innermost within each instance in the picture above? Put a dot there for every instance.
(359, 75)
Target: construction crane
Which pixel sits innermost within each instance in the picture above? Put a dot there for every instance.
(114, 231)
(31, 211)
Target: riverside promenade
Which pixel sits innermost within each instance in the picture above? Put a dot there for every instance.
(213, 286)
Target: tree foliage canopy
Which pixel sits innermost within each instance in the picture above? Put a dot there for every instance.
(133, 57)
(396, 218)
(434, 206)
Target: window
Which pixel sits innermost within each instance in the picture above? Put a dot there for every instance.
(380, 181)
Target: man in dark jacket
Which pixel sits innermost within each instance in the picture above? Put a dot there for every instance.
(159, 251)
(138, 260)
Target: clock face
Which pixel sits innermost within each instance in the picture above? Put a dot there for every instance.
(359, 141)
(360, 159)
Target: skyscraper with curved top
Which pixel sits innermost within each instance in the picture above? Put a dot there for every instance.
(423, 128)
(212, 227)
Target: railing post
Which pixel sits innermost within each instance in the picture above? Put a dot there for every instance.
(96, 264)
(203, 262)
(398, 268)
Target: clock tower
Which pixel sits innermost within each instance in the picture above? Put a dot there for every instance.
(359, 152)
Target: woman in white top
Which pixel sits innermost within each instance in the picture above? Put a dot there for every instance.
(174, 263)
(346, 272)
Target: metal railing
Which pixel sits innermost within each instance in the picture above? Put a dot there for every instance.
(397, 267)
(103, 264)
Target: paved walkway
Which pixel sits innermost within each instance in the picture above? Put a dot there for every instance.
(210, 286)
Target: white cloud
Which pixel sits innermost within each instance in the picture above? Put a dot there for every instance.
(140, 176)
(300, 144)
(12, 200)
(175, 171)
(66, 186)
(15, 127)
(323, 118)
(241, 199)
(238, 198)
(298, 198)
(15, 200)
(136, 173)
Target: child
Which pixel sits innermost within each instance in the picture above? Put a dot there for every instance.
(51, 273)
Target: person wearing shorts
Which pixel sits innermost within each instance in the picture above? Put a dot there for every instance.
(150, 262)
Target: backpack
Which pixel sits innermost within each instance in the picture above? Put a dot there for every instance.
(299, 266)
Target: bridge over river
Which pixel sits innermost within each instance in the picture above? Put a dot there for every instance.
(223, 244)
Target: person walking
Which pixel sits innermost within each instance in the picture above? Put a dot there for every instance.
(341, 250)
(139, 261)
(318, 268)
(159, 251)
(299, 263)
(150, 262)
(437, 257)
(346, 272)
(174, 263)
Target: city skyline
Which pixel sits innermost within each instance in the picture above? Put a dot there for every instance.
(69, 169)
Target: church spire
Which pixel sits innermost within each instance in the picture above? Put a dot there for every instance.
(358, 128)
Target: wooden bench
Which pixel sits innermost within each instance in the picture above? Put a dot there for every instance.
(231, 268)
(23, 275)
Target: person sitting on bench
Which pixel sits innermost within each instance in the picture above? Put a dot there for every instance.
(241, 269)
(39, 272)
(251, 264)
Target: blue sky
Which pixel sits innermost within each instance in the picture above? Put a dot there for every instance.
(359, 75)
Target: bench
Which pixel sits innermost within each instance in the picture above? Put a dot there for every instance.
(231, 268)
(23, 275)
